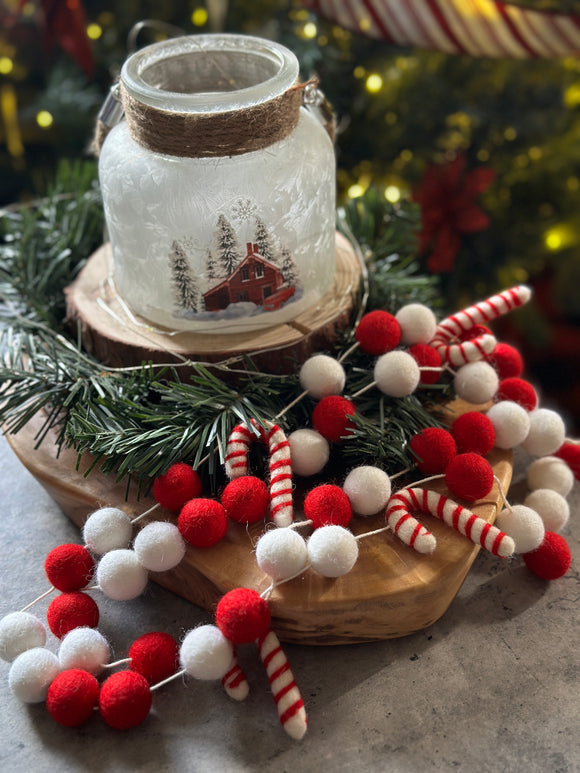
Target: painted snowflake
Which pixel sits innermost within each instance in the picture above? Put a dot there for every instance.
(243, 210)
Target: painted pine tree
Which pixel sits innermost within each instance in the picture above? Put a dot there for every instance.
(289, 270)
(264, 241)
(210, 266)
(227, 245)
(184, 286)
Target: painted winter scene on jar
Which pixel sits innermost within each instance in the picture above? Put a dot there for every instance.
(247, 271)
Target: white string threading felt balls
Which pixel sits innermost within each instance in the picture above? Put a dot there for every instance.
(397, 373)
(31, 673)
(107, 529)
(547, 432)
(476, 382)
(523, 525)
(552, 508)
(332, 550)
(368, 489)
(205, 653)
(281, 553)
(309, 451)
(20, 631)
(511, 423)
(550, 472)
(121, 576)
(322, 376)
(159, 546)
(84, 648)
(418, 324)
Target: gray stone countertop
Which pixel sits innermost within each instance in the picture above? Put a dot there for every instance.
(492, 686)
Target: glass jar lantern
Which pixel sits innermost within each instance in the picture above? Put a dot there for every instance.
(219, 187)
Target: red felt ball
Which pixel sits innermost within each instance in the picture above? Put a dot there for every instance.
(518, 391)
(552, 559)
(469, 476)
(378, 332)
(242, 615)
(179, 484)
(433, 449)
(474, 332)
(72, 696)
(473, 431)
(155, 656)
(125, 700)
(327, 504)
(69, 567)
(570, 453)
(246, 499)
(330, 417)
(506, 361)
(202, 522)
(428, 357)
(71, 610)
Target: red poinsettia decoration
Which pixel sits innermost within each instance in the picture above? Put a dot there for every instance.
(449, 209)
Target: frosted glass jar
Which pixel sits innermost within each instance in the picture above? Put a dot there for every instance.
(219, 187)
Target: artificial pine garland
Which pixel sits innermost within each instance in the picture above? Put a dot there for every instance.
(138, 421)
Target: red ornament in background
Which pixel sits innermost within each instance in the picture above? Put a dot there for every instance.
(66, 23)
(447, 195)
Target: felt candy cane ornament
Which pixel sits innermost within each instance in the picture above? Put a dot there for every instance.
(461, 322)
(280, 468)
(243, 616)
(408, 529)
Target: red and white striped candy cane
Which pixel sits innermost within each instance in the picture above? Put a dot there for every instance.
(412, 533)
(454, 326)
(235, 682)
(280, 467)
(284, 689)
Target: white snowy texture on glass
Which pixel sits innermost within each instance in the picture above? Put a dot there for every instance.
(226, 244)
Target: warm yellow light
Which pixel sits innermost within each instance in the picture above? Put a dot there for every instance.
(572, 95)
(44, 119)
(559, 237)
(199, 17)
(359, 71)
(406, 155)
(392, 194)
(510, 133)
(535, 153)
(322, 40)
(94, 31)
(6, 65)
(483, 155)
(374, 83)
(390, 118)
(355, 191)
(364, 24)
(310, 30)
(553, 241)
(28, 9)
(573, 183)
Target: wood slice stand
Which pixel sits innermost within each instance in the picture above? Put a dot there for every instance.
(392, 590)
(119, 338)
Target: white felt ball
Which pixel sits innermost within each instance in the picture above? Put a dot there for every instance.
(20, 631)
(552, 508)
(550, 472)
(322, 376)
(368, 489)
(332, 550)
(547, 432)
(418, 324)
(309, 451)
(397, 373)
(511, 423)
(159, 546)
(31, 674)
(205, 653)
(476, 382)
(121, 576)
(523, 525)
(107, 529)
(84, 648)
(281, 553)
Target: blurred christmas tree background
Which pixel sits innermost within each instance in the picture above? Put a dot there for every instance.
(496, 140)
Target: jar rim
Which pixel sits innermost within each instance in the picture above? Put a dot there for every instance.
(285, 73)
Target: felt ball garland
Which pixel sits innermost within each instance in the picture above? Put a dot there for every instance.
(69, 567)
(378, 332)
(72, 697)
(332, 417)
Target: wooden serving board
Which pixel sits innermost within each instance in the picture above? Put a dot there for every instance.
(118, 339)
(392, 590)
